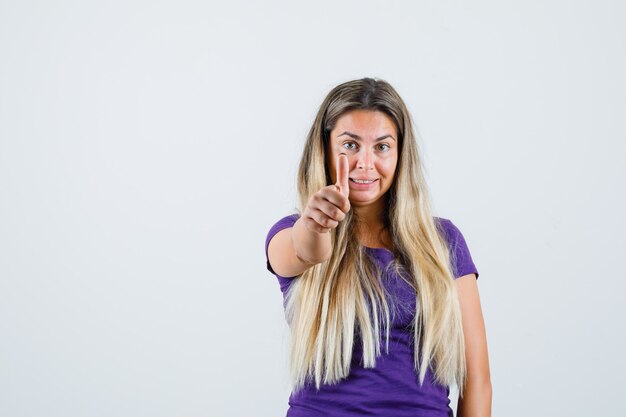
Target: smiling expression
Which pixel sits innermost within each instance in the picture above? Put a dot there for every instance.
(370, 141)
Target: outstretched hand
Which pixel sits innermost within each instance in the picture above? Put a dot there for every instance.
(327, 207)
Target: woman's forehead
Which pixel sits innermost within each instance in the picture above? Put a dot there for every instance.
(365, 125)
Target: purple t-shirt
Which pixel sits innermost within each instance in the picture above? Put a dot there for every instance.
(392, 387)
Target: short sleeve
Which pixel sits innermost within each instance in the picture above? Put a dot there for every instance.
(460, 257)
(284, 223)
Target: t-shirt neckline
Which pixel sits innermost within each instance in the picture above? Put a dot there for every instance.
(379, 249)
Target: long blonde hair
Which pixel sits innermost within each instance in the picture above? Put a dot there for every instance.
(332, 301)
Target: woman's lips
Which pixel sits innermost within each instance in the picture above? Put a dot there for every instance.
(367, 184)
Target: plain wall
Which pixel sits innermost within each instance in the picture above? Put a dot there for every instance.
(146, 147)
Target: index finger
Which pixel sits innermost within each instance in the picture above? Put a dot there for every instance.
(342, 174)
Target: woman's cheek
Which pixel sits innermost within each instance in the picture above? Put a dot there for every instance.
(387, 167)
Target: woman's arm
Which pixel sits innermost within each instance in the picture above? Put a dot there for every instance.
(476, 400)
(294, 250)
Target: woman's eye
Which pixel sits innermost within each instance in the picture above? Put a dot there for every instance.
(349, 145)
(383, 147)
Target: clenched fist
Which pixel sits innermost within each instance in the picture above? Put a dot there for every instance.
(327, 207)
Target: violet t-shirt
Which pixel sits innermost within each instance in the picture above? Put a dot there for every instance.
(391, 388)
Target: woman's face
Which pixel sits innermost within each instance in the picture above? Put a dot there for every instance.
(370, 141)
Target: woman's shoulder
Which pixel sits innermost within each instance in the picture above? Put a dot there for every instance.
(460, 254)
(284, 222)
(449, 229)
(442, 221)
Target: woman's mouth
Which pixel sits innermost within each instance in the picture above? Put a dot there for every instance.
(362, 182)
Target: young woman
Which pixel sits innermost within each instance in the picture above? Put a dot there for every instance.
(380, 296)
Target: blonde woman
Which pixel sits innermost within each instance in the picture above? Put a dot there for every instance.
(380, 296)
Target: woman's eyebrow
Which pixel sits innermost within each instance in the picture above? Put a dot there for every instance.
(357, 137)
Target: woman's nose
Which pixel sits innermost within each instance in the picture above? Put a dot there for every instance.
(365, 160)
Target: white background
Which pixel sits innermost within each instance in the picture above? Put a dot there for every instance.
(147, 147)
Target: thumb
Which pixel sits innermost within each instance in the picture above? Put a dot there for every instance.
(342, 174)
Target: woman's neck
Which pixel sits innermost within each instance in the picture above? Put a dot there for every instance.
(371, 215)
(371, 229)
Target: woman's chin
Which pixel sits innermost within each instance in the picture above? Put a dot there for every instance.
(364, 202)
